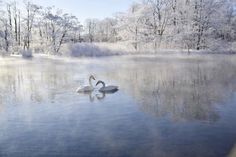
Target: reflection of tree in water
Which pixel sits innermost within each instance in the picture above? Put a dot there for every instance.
(183, 90)
(32, 81)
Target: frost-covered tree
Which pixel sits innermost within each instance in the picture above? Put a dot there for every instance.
(131, 25)
(31, 11)
(100, 30)
(58, 26)
(158, 19)
(106, 30)
(153, 24)
(90, 29)
(6, 28)
(191, 24)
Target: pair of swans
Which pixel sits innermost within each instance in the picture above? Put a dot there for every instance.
(103, 89)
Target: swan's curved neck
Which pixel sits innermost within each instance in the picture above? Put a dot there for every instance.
(103, 84)
(90, 82)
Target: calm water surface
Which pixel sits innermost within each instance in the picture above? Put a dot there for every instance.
(181, 106)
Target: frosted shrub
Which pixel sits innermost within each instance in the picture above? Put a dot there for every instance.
(26, 53)
(86, 50)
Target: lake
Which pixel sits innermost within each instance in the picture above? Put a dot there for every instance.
(166, 106)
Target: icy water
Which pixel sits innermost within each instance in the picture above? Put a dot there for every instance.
(179, 106)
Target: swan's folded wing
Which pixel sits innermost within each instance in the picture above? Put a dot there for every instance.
(109, 89)
(85, 89)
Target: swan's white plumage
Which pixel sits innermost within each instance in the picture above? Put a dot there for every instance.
(87, 89)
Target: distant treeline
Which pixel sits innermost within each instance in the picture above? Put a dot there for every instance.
(155, 24)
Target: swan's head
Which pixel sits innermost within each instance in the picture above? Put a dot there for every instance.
(92, 77)
(101, 83)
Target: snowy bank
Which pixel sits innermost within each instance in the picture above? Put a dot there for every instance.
(127, 48)
(120, 48)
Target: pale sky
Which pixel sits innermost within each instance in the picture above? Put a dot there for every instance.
(88, 8)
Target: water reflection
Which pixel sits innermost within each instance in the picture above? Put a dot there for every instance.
(101, 96)
(161, 108)
(31, 82)
(89, 94)
(96, 95)
(182, 88)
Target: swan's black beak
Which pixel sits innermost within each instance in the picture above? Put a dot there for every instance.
(97, 83)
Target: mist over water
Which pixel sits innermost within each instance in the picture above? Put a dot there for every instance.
(167, 106)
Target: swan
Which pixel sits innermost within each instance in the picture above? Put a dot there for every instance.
(107, 89)
(87, 89)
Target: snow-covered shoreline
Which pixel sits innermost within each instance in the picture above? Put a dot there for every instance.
(114, 49)
(95, 50)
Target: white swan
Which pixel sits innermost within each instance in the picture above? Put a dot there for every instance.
(87, 89)
(107, 89)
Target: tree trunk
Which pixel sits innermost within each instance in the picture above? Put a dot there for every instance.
(61, 40)
(19, 30)
(6, 38)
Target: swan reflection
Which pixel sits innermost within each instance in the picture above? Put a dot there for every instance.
(101, 96)
(98, 96)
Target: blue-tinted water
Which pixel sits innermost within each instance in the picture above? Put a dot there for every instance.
(166, 107)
